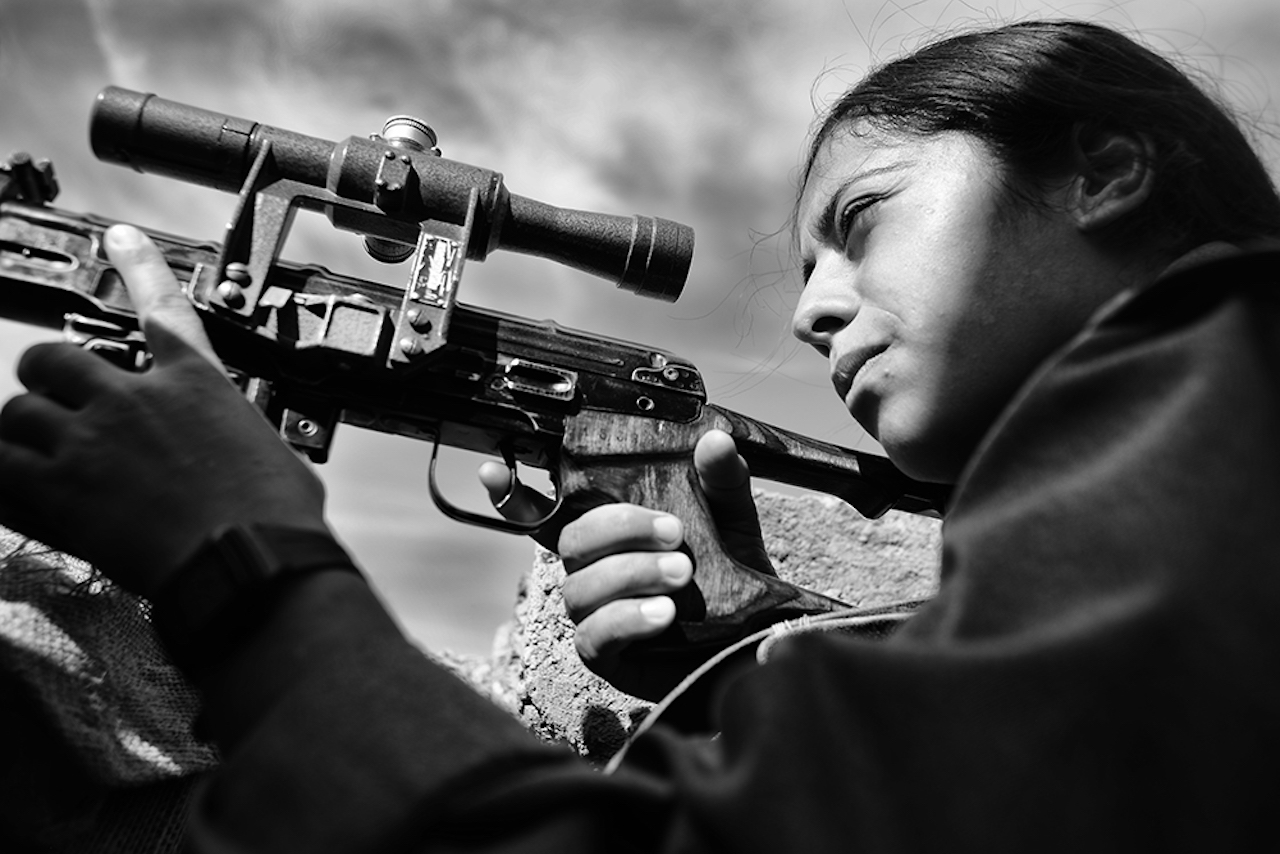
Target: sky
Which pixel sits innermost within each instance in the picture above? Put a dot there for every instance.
(693, 110)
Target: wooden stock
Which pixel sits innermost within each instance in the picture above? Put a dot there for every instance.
(610, 457)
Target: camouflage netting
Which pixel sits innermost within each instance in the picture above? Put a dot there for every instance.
(96, 725)
(85, 678)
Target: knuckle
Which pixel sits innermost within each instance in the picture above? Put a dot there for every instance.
(590, 589)
(603, 634)
(585, 645)
(594, 646)
(20, 417)
(578, 604)
(171, 309)
(638, 573)
(11, 420)
(37, 359)
(573, 545)
(611, 579)
(13, 408)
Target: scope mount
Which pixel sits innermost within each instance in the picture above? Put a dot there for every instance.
(260, 223)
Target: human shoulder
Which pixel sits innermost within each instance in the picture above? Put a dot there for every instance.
(1197, 282)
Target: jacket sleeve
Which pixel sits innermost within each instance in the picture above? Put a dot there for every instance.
(1122, 736)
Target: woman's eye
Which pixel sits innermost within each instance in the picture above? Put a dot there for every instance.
(851, 212)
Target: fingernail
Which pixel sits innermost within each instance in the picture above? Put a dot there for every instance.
(123, 236)
(676, 567)
(658, 610)
(667, 529)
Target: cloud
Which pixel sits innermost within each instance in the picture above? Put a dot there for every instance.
(695, 110)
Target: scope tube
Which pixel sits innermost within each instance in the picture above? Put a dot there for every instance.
(647, 255)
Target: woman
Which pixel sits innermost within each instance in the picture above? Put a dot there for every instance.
(964, 211)
(1022, 259)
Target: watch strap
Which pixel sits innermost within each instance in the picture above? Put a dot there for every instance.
(227, 588)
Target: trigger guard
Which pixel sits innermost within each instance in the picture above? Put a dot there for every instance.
(510, 526)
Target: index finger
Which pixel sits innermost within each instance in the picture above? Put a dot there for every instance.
(156, 294)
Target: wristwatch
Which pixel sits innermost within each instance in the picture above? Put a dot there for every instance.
(229, 586)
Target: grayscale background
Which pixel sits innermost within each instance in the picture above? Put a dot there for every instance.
(695, 110)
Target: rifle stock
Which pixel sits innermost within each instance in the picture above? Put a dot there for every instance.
(615, 457)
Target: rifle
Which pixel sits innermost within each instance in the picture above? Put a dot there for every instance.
(611, 421)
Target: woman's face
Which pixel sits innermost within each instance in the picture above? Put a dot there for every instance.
(932, 290)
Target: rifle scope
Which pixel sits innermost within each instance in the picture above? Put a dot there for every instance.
(647, 255)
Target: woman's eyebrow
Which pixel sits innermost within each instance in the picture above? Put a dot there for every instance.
(826, 223)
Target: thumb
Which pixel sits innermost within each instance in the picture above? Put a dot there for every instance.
(726, 482)
(157, 297)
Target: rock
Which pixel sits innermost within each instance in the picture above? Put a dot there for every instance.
(823, 544)
(816, 542)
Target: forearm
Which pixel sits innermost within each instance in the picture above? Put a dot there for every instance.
(323, 616)
(337, 732)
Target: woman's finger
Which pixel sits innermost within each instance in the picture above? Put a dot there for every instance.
(33, 421)
(512, 498)
(520, 503)
(615, 529)
(66, 374)
(601, 637)
(155, 292)
(624, 576)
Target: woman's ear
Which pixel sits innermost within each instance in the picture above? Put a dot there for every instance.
(1115, 176)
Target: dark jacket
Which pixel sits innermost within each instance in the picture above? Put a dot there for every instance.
(1100, 671)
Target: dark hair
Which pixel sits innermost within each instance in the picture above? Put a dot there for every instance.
(1025, 88)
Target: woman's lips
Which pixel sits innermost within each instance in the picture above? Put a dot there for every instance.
(851, 365)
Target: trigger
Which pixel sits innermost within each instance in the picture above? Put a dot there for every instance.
(512, 526)
(513, 482)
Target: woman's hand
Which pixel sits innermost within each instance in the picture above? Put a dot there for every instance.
(131, 471)
(623, 563)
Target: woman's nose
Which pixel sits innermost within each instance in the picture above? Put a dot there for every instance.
(827, 304)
